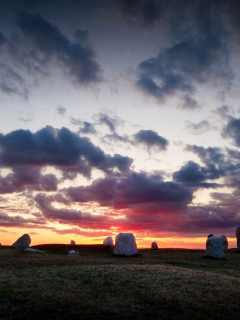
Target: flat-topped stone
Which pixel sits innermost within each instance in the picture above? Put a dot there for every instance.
(108, 241)
(214, 248)
(125, 244)
(22, 242)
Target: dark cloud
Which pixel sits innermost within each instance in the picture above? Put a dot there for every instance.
(192, 174)
(61, 110)
(143, 12)
(179, 68)
(111, 122)
(32, 180)
(232, 130)
(60, 148)
(199, 128)
(37, 47)
(126, 190)
(151, 140)
(85, 127)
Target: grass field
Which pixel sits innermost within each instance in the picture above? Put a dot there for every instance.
(162, 284)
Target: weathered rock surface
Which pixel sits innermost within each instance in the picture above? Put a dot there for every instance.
(32, 250)
(22, 242)
(154, 246)
(72, 243)
(108, 241)
(238, 237)
(224, 241)
(72, 252)
(214, 248)
(125, 245)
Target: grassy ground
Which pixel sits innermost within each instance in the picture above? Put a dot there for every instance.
(162, 284)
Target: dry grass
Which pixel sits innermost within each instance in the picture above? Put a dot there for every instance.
(163, 284)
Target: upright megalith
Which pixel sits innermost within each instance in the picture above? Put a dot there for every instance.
(125, 244)
(238, 237)
(22, 242)
(108, 241)
(224, 241)
(154, 246)
(214, 248)
(72, 243)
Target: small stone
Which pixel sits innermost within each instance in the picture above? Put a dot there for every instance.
(22, 242)
(32, 250)
(210, 235)
(214, 248)
(154, 246)
(125, 245)
(72, 252)
(238, 237)
(108, 241)
(225, 242)
(72, 243)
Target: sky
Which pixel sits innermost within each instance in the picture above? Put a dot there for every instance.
(119, 116)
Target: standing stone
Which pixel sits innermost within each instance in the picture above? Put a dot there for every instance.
(224, 241)
(22, 242)
(125, 244)
(72, 243)
(154, 246)
(214, 248)
(238, 237)
(108, 241)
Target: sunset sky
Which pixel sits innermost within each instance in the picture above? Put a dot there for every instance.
(119, 116)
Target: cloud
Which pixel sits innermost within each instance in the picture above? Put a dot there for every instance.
(151, 140)
(85, 127)
(199, 128)
(143, 12)
(192, 174)
(60, 148)
(232, 130)
(177, 69)
(37, 47)
(64, 215)
(61, 110)
(30, 180)
(111, 122)
(125, 190)
(188, 103)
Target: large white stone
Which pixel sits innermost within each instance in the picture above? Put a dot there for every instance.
(72, 243)
(108, 241)
(224, 241)
(238, 237)
(125, 245)
(22, 242)
(214, 248)
(154, 246)
(32, 250)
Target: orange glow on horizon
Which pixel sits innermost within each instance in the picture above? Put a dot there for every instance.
(9, 236)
